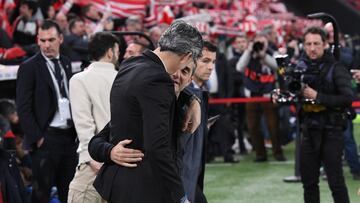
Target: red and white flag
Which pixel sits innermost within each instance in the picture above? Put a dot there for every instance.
(166, 16)
(121, 8)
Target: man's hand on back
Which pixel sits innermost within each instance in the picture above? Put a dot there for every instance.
(124, 156)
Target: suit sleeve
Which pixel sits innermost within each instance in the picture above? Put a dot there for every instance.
(185, 96)
(100, 146)
(81, 108)
(25, 91)
(156, 104)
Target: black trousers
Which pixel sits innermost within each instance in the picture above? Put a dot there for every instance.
(54, 164)
(322, 146)
(199, 195)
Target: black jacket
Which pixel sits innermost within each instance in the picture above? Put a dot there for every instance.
(36, 98)
(334, 91)
(333, 83)
(142, 103)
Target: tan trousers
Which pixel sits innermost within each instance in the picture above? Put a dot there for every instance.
(81, 189)
(254, 112)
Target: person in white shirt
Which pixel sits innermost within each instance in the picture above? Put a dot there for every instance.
(90, 104)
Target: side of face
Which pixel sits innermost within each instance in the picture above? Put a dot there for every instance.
(79, 28)
(155, 35)
(182, 78)
(115, 52)
(49, 42)
(314, 46)
(25, 10)
(205, 65)
(61, 20)
(132, 50)
(176, 62)
(240, 44)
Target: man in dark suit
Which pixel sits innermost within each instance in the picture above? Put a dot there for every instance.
(44, 113)
(142, 103)
(221, 135)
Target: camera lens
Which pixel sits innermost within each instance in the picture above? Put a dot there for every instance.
(258, 46)
(294, 87)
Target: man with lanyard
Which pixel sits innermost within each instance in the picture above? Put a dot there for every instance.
(44, 112)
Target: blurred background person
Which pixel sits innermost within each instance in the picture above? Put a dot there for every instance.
(258, 67)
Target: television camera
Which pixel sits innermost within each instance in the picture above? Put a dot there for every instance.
(296, 76)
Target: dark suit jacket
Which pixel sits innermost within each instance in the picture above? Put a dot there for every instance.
(36, 97)
(142, 103)
(224, 75)
(192, 151)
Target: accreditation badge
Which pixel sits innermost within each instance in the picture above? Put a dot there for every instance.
(64, 109)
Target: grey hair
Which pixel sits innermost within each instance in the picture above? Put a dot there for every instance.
(182, 38)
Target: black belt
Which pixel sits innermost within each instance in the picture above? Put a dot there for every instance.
(68, 134)
(61, 130)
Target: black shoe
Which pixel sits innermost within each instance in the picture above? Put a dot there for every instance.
(260, 159)
(292, 179)
(280, 158)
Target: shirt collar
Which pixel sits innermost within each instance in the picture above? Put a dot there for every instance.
(98, 64)
(49, 59)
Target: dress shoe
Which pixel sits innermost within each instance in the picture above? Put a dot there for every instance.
(292, 179)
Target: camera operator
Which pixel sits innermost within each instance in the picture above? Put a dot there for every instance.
(323, 119)
(258, 67)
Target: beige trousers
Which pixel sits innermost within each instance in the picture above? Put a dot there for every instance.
(81, 189)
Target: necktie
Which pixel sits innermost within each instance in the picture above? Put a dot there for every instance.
(59, 77)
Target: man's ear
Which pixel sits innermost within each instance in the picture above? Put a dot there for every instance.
(185, 58)
(61, 36)
(109, 53)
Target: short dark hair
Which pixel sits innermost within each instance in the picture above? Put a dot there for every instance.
(100, 43)
(210, 46)
(32, 4)
(316, 30)
(47, 24)
(7, 107)
(73, 21)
